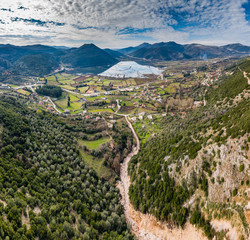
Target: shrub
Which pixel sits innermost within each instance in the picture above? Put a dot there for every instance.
(235, 191)
(241, 168)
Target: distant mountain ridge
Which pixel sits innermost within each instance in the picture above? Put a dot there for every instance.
(114, 53)
(12, 53)
(167, 51)
(129, 50)
(30, 60)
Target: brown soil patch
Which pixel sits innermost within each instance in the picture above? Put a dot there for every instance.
(149, 228)
(37, 210)
(3, 202)
(26, 221)
(220, 225)
(247, 215)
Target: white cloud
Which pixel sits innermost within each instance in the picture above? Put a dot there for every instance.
(100, 21)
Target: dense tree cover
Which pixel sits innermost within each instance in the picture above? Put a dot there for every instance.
(49, 191)
(36, 65)
(245, 65)
(161, 197)
(50, 90)
(235, 120)
(198, 219)
(228, 87)
(90, 129)
(152, 190)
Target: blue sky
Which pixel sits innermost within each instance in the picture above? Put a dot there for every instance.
(121, 23)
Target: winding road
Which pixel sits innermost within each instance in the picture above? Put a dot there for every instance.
(123, 185)
(145, 226)
(245, 76)
(125, 180)
(54, 105)
(248, 79)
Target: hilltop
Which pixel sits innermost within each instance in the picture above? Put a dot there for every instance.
(87, 55)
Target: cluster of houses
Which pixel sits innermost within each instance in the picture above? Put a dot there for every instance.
(141, 116)
(5, 86)
(211, 77)
(147, 94)
(45, 103)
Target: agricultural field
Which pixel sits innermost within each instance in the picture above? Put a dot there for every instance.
(98, 165)
(94, 144)
(102, 110)
(92, 83)
(75, 104)
(168, 93)
(24, 92)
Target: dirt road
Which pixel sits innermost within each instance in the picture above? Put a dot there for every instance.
(245, 76)
(145, 226)
(248, 79)
(124, 189)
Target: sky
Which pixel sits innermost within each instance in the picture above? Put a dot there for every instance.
(122, 23)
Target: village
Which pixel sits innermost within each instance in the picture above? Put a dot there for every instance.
(171, 93)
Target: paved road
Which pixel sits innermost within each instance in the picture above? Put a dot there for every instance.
(54, 105)
(28, 86)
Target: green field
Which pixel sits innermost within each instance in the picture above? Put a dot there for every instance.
(62, 103)
(68, 87)
(22, 91)
(94, 98)
(97, 165)
(74, 104)
(73, 97)
(101, 110)
(69, 81)
(170, 89)
(93, 144)
(83, 89)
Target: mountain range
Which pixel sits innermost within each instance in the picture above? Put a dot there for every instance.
(27, 60)
(167, 51)
(40, 60)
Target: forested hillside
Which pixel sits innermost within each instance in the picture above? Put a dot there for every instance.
(47, 191)
(168, 51)
(202, 158)
(36, 65)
